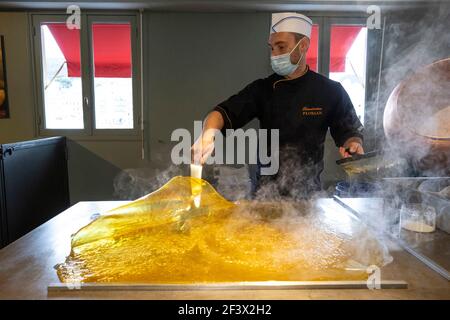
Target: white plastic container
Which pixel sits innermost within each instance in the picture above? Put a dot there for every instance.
(417, 217)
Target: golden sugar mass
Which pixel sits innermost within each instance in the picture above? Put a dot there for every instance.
(165, 238)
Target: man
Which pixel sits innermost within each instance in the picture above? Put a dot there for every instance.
(299, 102)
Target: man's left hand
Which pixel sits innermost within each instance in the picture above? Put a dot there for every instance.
(351, 146)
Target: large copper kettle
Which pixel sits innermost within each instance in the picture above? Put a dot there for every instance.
(417, 117)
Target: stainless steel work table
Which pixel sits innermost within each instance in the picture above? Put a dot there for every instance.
(26, 269)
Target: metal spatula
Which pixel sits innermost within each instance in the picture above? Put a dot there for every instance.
(361, 163)
(372, 165)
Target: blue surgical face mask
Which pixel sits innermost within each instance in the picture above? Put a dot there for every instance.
(282, 64)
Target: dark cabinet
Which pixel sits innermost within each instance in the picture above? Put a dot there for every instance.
(33, 185)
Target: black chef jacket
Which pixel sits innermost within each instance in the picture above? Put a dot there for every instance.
(302, 109)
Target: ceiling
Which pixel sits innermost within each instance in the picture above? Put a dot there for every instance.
(219, 5)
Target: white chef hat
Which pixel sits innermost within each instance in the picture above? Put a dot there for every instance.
(291, 22)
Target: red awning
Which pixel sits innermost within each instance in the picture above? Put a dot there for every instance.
(342, 38)
(112, 49)
(311, 56)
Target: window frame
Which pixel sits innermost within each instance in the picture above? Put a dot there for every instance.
(94, 18)
(318, 20)
(374, 38)
(89, 132)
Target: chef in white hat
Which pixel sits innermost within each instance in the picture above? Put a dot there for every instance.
(288, 30)
(297, 101)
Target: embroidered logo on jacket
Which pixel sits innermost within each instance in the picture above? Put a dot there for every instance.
(311, 111)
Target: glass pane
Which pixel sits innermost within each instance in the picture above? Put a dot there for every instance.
(113, 87)
(312, 55)
(348, 62)
(61, 76)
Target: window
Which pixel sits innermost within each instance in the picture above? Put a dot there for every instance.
(113, 87)
(63, 97)
(87, 78)
(348, 62)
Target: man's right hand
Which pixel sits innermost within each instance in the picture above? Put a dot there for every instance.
(203, 147)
